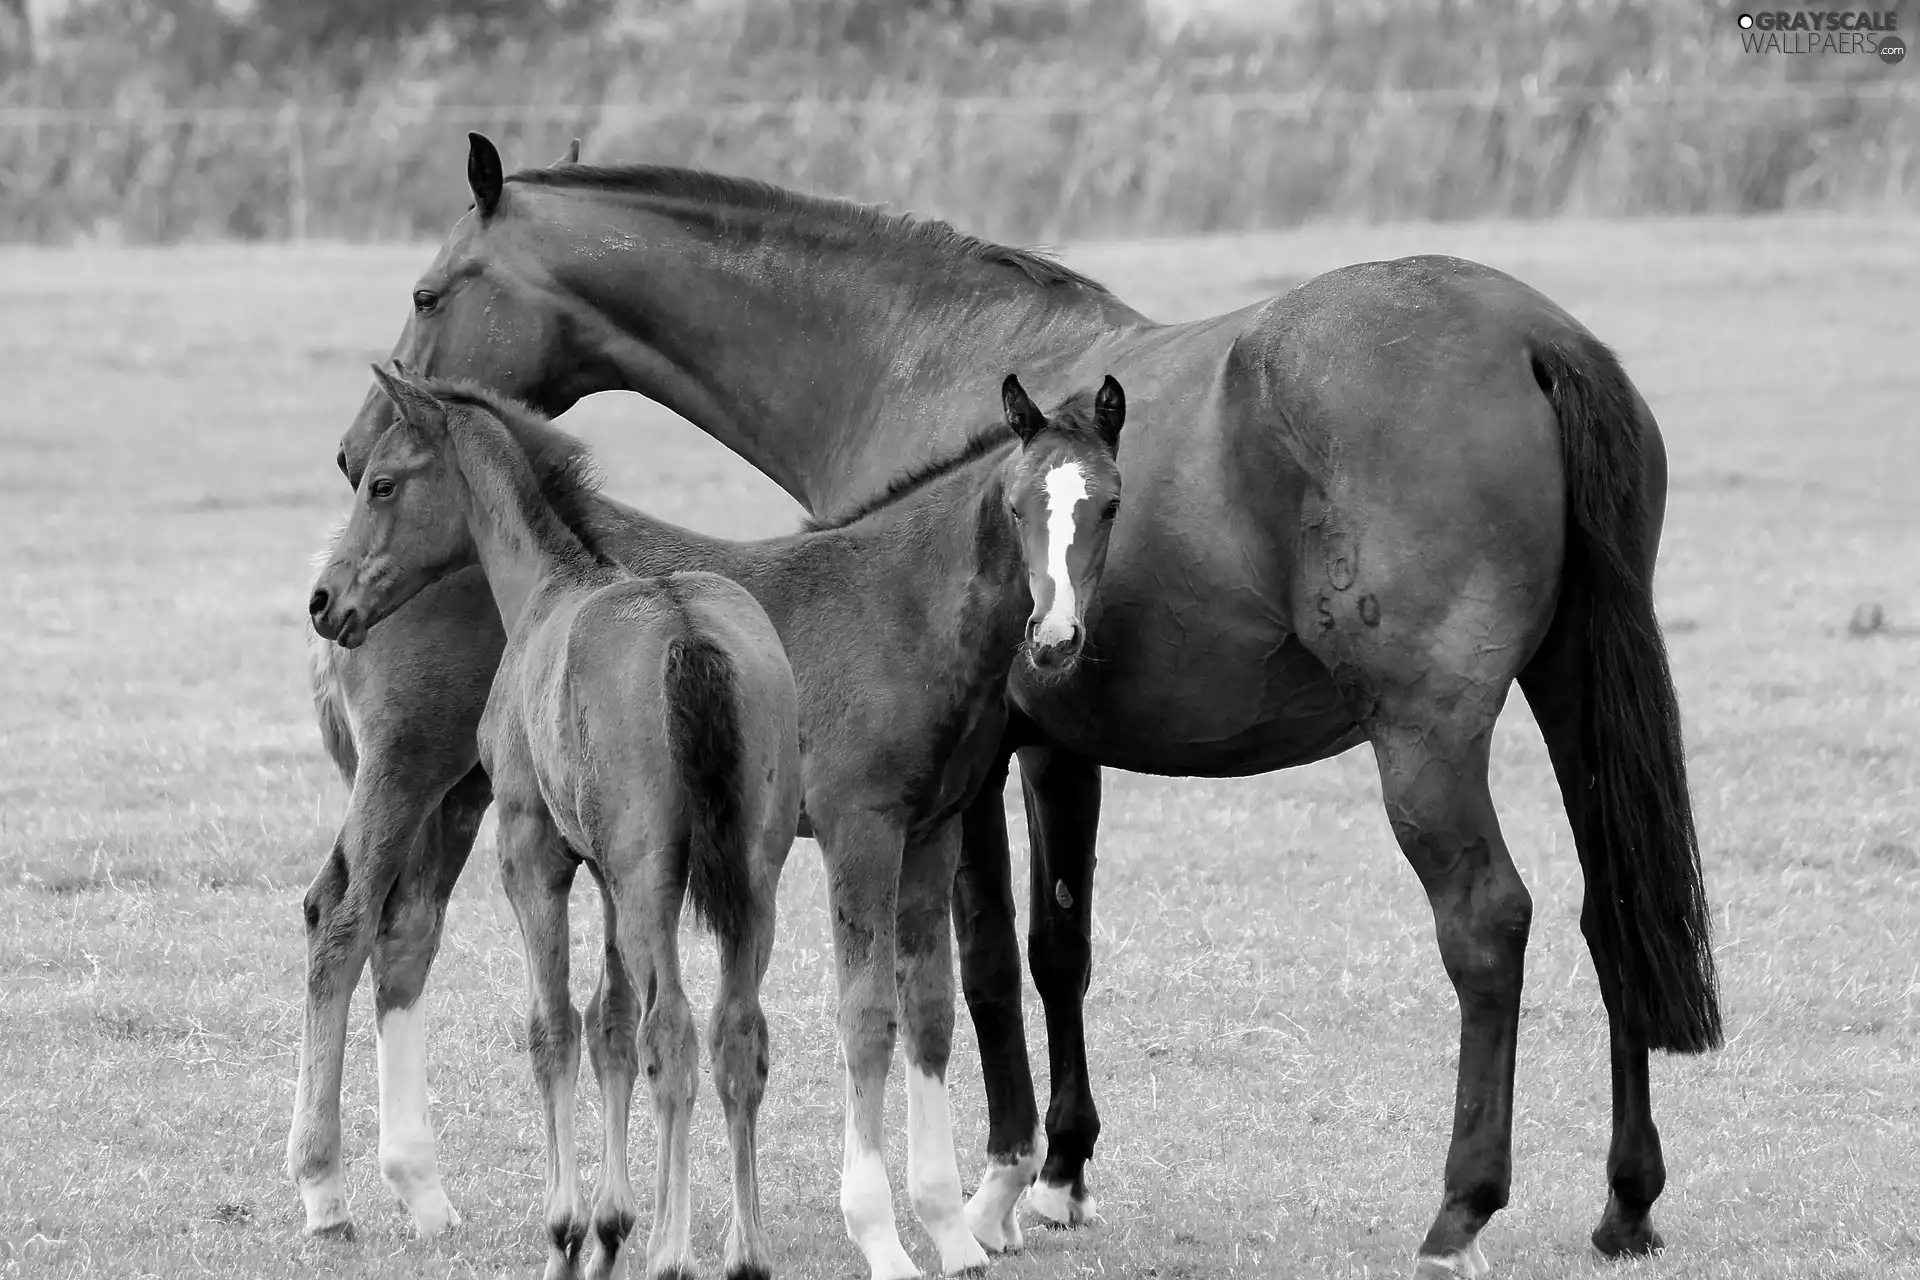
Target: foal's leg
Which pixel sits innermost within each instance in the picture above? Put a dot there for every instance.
(647, 897)
(1433, 778)
(926, 991)
(612, 1030)
(1063, 818)
(737, 1041)
(536, 871)
(403, 953)
(1636, 1170)
(342, 908)
(862, 852)
(983, 920)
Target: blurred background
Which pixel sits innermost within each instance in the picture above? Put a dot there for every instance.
(167, 120)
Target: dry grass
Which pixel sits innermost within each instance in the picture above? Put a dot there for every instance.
(1272, 1036)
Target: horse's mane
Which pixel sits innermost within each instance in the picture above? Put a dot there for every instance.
(563, 467)
(1073, 415)
(825, 217)
(914, 480)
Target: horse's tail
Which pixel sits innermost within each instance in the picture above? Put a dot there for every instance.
(703, 739)
(1650, 919)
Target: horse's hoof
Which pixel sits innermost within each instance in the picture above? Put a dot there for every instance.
(1616, 1237)
(1062, 1204)
(1465, 1264)
(997, 1232)
(434, 1217)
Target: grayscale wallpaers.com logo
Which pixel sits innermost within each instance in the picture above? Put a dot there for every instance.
(1824, 32)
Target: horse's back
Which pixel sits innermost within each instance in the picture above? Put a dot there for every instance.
(1348, 478)
(597, 702)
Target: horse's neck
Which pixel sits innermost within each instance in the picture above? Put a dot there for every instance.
(521, 543)
(950, 550)
(831, 368)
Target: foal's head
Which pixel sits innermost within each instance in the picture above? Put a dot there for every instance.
(409, 525)
(1063, 489)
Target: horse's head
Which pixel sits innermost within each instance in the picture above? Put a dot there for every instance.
(489, 309)
(409, 525)
(1063, 488)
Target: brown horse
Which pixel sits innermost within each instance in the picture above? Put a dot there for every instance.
(901, 620)
(646, 726)
(1366, 509)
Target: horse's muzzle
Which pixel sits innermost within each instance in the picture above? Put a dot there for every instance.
(343, 628)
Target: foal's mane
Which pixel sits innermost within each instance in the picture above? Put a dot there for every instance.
(562, 465)
(1074, 415)
(827, 219)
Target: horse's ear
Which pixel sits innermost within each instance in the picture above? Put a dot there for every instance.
(484, 174)
(573, 153)
(416, 405)
(1023, 419)
(1110, 412)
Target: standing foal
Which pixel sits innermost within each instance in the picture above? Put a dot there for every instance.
(646, 726)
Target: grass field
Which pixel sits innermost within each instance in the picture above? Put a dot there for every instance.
(1272, 1035)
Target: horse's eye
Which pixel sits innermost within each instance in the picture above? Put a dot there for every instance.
(382, 488)
(425, 300)
(1112, 509)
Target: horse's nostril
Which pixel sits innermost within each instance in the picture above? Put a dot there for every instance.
(340, 460)
(317, 603)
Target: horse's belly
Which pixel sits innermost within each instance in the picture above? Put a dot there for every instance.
(1212, 705)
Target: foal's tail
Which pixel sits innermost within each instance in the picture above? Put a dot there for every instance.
(1643, 875)
(703, 739)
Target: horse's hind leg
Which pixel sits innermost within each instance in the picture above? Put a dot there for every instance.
(612, 1028)
(536, 871)
(403, 953)
(647, 899)
(1636, 1170)
(926, 991)
(1433, 777)
(737, 1041)
(1063, 820)
(983, 921)
(342, 910)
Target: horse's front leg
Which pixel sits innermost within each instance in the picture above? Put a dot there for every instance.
(403, 954)
(862, 851)
(1063, 817)
(926, 995)
(536, 874)
(1433, 777)
(983, 920)
(342, 909)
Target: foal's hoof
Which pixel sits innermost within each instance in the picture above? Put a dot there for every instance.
(1063, 1204)
(1466, 1264)
(1619, 1236)
(433, 1216)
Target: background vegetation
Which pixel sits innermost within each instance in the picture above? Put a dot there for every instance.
(162, 120)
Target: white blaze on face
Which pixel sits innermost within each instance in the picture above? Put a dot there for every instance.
(1066, 488)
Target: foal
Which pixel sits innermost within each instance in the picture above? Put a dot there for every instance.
(902, 620)
(645, 726)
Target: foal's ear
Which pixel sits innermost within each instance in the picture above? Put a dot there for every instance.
(417, 406)
(573, 153)
(1110, 412)
(484, 174)
(1023, 419)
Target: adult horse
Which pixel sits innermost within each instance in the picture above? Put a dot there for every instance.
(1357, 513)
